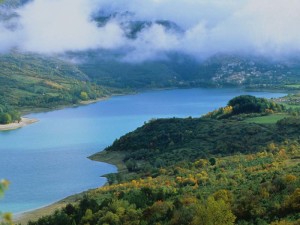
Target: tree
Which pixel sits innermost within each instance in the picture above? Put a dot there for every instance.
(84, 96)
(5, 218)
(15, 116)
(283, 222)
(131, 165)
(290, 178)
(5, 118)
(292, 203)
(3, 186)
(251, 104)
(213, 212)
(224, 195)
(110, 218)
(88, 217)
(159, 211)
(212, 161)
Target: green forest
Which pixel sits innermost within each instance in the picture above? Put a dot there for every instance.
(205, 171)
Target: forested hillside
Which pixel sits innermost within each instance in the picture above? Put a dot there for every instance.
(200, 171)
(180, 70)
(30, 82)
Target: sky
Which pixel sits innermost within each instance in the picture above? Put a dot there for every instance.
(208, 27)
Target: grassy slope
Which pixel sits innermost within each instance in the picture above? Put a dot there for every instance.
(115, 158)
(270, 119)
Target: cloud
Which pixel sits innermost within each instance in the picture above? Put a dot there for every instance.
(151, 43)
(55, 26)
(8, 39)
(61, 25)
(265, 27)
(185, 13)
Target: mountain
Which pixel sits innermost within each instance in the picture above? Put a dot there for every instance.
(180, 70)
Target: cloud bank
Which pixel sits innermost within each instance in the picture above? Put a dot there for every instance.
(207, 27)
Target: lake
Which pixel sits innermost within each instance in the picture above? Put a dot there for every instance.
(47, 161)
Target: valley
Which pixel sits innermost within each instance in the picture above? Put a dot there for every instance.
(149, 112)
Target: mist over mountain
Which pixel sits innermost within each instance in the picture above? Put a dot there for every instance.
(152, 29)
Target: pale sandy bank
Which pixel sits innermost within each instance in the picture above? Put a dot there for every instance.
(13, 126)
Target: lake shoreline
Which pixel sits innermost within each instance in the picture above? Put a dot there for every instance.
(114, 158)
(32, 215)
(27, 111)
(25, 121)
(13, 126)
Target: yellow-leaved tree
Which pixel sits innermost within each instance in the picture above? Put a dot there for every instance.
(214, 212)
(5, 218)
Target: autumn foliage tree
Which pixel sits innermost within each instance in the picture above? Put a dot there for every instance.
(5, 218)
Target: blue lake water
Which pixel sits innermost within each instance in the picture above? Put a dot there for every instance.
(47, 161)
